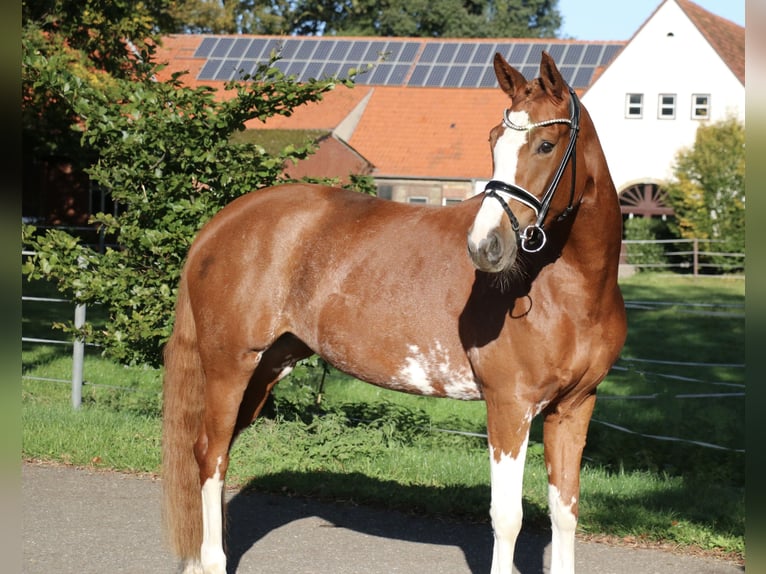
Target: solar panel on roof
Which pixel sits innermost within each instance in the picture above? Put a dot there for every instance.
(227, 70)
(504, 50)
(391, 51)
(530, 72)
(609, 52)
(209, 69)
(446, 53)
(305, 50)
(556, 51)
(340, 50)
(519, 54)
(472, 76)
(311, 71)
(374, 51)
(535, 53)
(583, 76)
(281, 65)
(254, 50)
(323, 49)
(414, 62)
(222, 48)
(205, 47)
(573, 55)
(489, 79)
(483, 54)
(398, 74)
(454, 76)
(419, 74)
(568, 72)
(436, 75)
(380, 73)
(330, 69)
(429, 52)
(239, 47)
(464, 53)
(409, 51)
(357, 51)
(592, 54)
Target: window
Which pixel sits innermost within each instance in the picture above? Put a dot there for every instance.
(634, 106)
(451, 200)
(666, 109)
(417, 199)
(700, 106)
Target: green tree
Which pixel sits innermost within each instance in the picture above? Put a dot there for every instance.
(707, 191)
(419, 18)
(164, 153)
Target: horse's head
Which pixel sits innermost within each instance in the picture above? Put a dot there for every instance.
(531, 149)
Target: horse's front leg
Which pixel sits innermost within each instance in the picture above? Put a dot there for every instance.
(564, 434)
(508, 433)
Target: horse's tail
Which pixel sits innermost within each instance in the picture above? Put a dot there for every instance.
(183, 405)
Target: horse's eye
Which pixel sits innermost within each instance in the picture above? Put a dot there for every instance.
(545, 147)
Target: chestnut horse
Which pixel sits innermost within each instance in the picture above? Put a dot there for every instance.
(529, 318)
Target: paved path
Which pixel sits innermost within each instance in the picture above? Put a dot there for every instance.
(81, 522)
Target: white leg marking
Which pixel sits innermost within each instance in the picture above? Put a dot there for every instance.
(193, 567)
(212, 555)
(506, 476)
(563, 523)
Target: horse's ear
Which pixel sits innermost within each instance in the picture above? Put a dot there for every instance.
(552, 80)
(509, 78)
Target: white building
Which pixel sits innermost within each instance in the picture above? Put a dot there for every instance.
(683, 67)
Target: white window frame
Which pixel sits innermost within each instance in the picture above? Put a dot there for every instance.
(697, 107)
(417, 199)
(631, 105)
(663, 106)
(451, 200)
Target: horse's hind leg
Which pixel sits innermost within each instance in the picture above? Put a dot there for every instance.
(233, 398)
(564, 434)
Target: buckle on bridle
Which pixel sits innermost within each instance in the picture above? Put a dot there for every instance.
(533, 238)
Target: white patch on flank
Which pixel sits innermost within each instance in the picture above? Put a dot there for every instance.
(212, 555)
(507, 476)
(563, 525)
(506, 159)
(423, 370)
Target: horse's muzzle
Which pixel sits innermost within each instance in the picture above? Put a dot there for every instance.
(494, 253)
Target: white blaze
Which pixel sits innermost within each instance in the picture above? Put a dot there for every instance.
(505, 156)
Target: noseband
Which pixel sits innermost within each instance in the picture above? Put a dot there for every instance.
(533, 237)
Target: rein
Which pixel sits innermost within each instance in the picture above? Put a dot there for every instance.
(533, 237)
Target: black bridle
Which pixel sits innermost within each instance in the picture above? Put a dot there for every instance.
(533, 237)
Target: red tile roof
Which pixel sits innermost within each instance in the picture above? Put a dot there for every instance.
(726, 37)
(429, 132)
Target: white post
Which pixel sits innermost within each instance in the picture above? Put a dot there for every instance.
(78, 356)
(78, 352)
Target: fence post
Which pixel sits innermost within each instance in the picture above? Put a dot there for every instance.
(696, 256)
(78, 357)
(78, 351)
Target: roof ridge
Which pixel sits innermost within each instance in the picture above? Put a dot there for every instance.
(727, 38)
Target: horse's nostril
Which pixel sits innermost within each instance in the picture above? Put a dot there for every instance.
(494, 249)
